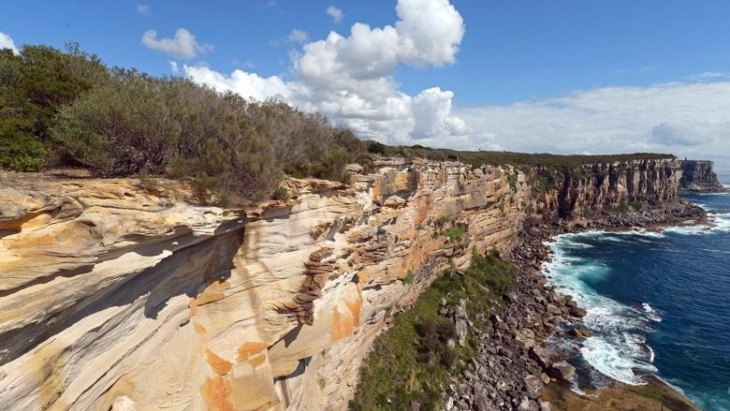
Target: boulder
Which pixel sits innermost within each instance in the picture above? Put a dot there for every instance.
(534, 386)
(461, 331)
(581, 332)
(461, 310)
(577, 312)
(562, 370)
(553, 309)
(527, 405)
(395, 202)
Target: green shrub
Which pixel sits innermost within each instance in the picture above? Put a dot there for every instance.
(148, 183)
(408, 279)
(546, 182)
(456, 233)
(512, 179)
(281, 194)
(19, 150)
(411, 361)
(441, 221)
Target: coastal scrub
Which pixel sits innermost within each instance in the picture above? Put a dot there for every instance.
(412, 361)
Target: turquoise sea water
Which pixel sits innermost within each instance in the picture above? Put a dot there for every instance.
(659, 303)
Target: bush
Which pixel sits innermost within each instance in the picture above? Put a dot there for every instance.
(411, 361)
(512, 179)
(33, 86)
(456, 233)
(19, 149)
(281, 194)
(136, 123)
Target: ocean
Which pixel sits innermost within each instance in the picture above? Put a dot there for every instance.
(659, 303)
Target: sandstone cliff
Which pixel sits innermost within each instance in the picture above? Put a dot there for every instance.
(699, 176)
(117, 295)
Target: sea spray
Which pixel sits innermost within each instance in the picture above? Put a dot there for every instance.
(657, 302)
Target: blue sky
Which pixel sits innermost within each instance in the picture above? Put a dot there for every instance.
(570, 62)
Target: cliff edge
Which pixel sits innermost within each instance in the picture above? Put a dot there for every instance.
(122, 295)
(699, 176)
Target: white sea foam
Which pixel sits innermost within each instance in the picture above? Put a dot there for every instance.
(616, 359)
(719, 222)
(651, 313)
(619, 347)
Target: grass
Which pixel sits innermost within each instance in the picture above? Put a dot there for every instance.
(411, 361)
(456, 233)
(281, 194)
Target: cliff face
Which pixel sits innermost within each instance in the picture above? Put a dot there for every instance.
(117, 295)
(699, 176)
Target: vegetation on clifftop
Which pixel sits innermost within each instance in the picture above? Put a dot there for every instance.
(68, 109)
(522, 160)
(412, 360)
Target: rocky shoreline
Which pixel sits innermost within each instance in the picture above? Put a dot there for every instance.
(515, 369)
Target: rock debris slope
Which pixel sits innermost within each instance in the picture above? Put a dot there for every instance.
(116, 296)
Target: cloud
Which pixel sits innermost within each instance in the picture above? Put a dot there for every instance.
(336, 14)
(143, 9)
(183, 45)
(298, 36)
(248, 85)
(350, 79)
(709, 76)
(691, 133)
(432, 114)
(690, 119)
(7, 43)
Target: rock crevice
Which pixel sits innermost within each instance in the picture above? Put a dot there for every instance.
(115, 297)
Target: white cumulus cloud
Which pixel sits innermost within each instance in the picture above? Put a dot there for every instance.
(336, 14)
(683, 118)
(182, 45)
(248, 85)
(7, 43)
(350, 79)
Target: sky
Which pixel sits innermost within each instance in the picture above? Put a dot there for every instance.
(561, 76)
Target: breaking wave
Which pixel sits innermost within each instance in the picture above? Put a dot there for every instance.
(619, 348)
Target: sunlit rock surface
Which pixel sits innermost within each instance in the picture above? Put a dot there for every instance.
(118, 296)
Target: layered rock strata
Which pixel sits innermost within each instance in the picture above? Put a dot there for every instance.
(119, 295)
(699, 176)
(518, 369)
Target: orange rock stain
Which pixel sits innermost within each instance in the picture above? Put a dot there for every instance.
(250, 349)
(257, 360)
(217, 364)
(216, 393)
(193, 306)
(199, 329)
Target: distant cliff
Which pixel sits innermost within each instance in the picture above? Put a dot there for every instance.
(120, 295)
(699, 176)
